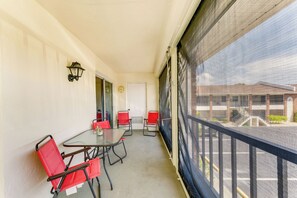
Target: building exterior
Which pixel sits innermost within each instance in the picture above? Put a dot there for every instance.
(225, 102)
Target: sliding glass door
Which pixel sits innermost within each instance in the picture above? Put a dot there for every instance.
(108, 102)
(104, 100)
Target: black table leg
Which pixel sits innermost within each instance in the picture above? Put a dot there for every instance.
(103, 158)
(120, 159)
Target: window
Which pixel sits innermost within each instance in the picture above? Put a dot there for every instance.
(239, 101)
(276, 99)
(203, 100)
(234, 99)
(244, 101)
(219, 100)
(259, 100)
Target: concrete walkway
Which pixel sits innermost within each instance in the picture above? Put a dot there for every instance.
(146, 172)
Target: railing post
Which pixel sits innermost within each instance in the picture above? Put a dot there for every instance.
(282, 177)
(221, 166)
(234, 167)
(203, 150)
(195, 144)
(253, 172)
(210, 157)
(198, 145)
(283, 154)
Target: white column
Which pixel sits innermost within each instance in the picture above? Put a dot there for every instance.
(1, 126)
(174, 107)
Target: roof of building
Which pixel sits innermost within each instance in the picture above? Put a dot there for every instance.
(260, 88)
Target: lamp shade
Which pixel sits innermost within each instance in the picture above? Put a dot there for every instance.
(76, 71)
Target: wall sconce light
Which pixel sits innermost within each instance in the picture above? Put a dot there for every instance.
(121, 89)
(76, 71)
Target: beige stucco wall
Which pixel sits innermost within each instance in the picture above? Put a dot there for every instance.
(1, 131)
(36, 97)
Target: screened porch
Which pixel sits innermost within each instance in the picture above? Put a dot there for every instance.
(221, 74)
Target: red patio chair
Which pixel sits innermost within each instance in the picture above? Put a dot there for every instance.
(61, 175)
(125, 121)
(106, 125)
(100, 116)
(152, 120)
(96, 123)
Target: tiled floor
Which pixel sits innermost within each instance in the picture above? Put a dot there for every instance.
(146, 172)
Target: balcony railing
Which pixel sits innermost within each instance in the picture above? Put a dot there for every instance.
(214, 170)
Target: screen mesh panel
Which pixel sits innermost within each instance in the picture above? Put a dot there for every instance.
(165, 105)
(237, 68)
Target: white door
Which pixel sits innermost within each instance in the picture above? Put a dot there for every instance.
(136, 102)
(290, 109)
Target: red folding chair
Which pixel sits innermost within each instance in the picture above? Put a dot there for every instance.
(103, 124)
(152, 121)
(125, 121)
(106, 125)
(63, 176)
(100, 116)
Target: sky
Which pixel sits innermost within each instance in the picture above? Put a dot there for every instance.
(266, 53)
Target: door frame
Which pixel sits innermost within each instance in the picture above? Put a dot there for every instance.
(104, 98)
(137, 125)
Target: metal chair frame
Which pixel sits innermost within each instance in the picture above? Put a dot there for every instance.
(125, 122)
(106, 125)
(151, 121)
(68, 170)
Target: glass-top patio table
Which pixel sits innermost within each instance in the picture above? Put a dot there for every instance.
(90, 138)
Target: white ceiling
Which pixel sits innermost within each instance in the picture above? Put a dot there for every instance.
(128, 35)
